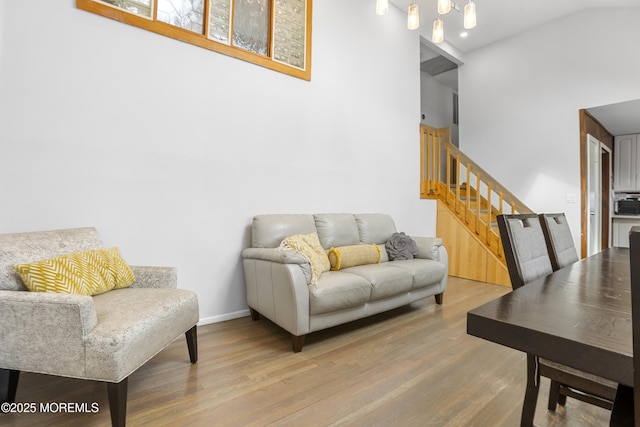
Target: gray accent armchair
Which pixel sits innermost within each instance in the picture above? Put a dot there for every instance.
(103, 337)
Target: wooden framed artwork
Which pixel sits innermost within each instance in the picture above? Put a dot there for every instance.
(275, 34)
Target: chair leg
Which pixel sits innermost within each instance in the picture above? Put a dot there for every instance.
(562, 399)
(254, 314)
(439, 298)
(297, 341)
(192, 343)
(8, 384)
(554, 395)
(622, 414)
(531, 394)
(118, 402)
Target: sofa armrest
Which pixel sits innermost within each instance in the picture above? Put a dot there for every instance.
(154, 277)
(428, 247)
(279, 292)
(35, 323)
(275, 255)
(280, 256)
(19, 308)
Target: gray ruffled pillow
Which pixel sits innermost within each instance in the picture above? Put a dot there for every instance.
(400, 246)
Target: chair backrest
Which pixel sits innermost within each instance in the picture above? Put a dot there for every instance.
(634, 261)
(19, 248)
(562, 250)
(525, 248)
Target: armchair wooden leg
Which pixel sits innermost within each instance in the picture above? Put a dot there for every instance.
(531, 393)
(297, 342)
(254, 314)
(8, 384)
(192, 343)
(118, 402)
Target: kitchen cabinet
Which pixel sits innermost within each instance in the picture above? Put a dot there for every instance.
(626, 163)
(621, 227)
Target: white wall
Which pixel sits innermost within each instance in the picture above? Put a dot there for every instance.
(519, 101)
(2, 19)
(169, 149)
(436, 102)
(437, 105)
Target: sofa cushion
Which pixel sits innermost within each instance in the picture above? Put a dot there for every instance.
(338, 290)
(386, 280)
(269, 230)
(375, 228)
(84, 273)
(22, 248)
(350, 256)
(425, 272)
(133, 325)
(337, 230)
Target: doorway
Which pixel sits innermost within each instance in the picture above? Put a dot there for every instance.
(598, 195)
(439, 89)
(596, 168)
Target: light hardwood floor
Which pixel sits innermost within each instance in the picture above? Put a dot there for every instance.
(413, 366)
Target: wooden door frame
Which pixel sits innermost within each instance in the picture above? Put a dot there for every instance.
(589, 125)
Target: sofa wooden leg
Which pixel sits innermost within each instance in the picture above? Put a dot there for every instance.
(439, 298)
(254, 314)
(192, 343)
(297, 342)
(8, 384)
(118, 402)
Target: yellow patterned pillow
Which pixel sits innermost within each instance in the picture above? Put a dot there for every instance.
(350, 256)
(309, 245)
(84, 273)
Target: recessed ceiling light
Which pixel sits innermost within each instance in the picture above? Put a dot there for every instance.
(464, 34)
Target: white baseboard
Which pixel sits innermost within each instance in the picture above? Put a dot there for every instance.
(223, 317)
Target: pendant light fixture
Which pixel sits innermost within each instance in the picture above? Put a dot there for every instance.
(444, 7)
(413, 17)
(437, 36)
(382, 7)
(470, 15)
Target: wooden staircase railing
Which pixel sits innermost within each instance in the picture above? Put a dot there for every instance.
(473, 195)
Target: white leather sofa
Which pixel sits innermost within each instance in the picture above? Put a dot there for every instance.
(278, 282)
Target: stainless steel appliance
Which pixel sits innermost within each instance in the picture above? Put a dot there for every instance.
(628, 206)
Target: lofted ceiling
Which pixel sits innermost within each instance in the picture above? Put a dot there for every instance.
(501, 19)
(622, 118)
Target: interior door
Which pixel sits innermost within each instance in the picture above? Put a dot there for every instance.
(594, 196)
(598, 195)
(606, 177)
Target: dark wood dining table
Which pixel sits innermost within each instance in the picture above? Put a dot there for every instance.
(579, 316)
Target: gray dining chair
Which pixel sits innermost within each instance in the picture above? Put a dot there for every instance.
(627, 402)
(525, 248)
(525, 251)
(562, 250)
